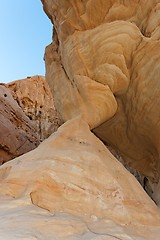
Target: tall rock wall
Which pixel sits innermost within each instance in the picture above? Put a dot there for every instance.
(27, 116)
(34, 97)
(106, 54)
(17, 133)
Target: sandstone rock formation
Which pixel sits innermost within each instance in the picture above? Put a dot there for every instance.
(102, 68)
(71, 187)
(34, 97)
(106, 54)
(17, 134)
(27, 116)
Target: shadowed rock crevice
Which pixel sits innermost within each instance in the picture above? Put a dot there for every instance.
(142, 179)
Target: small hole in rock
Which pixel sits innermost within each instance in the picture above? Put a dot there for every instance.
(5, 95)
(30, 117)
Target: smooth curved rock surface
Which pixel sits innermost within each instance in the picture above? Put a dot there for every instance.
(106, 54)
(71, 187)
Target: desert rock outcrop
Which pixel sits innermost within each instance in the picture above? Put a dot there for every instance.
(106, 53)
(102, 68)
(17, 134)
(71, 187)
(27, 116)
(34, 97)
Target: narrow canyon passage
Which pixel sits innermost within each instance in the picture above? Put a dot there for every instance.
(103, 71)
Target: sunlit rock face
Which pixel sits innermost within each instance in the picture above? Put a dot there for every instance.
(106, 54)
(34, 97)
(27, 116)
(71, 187)
(101, 67)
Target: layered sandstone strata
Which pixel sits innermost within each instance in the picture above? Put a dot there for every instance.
(106, 54)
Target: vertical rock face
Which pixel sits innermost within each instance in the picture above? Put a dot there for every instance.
(34, 97)
(106, 54)
(27, 116)
(17, 134)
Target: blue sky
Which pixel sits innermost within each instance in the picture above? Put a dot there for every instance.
(25, 31)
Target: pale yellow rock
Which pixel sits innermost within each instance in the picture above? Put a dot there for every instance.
(99, 103)
(71, 187)
(116, 44)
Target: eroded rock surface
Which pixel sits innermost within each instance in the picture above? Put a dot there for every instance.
(100, 70)
(106, 54)
(17, 134)
(34, 97)
(71, 187)
(27, 116)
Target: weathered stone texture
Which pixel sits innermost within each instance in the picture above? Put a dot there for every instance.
(103, 70)
(106, 53)
(17, 134)
(27, 116)
(34, 97)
